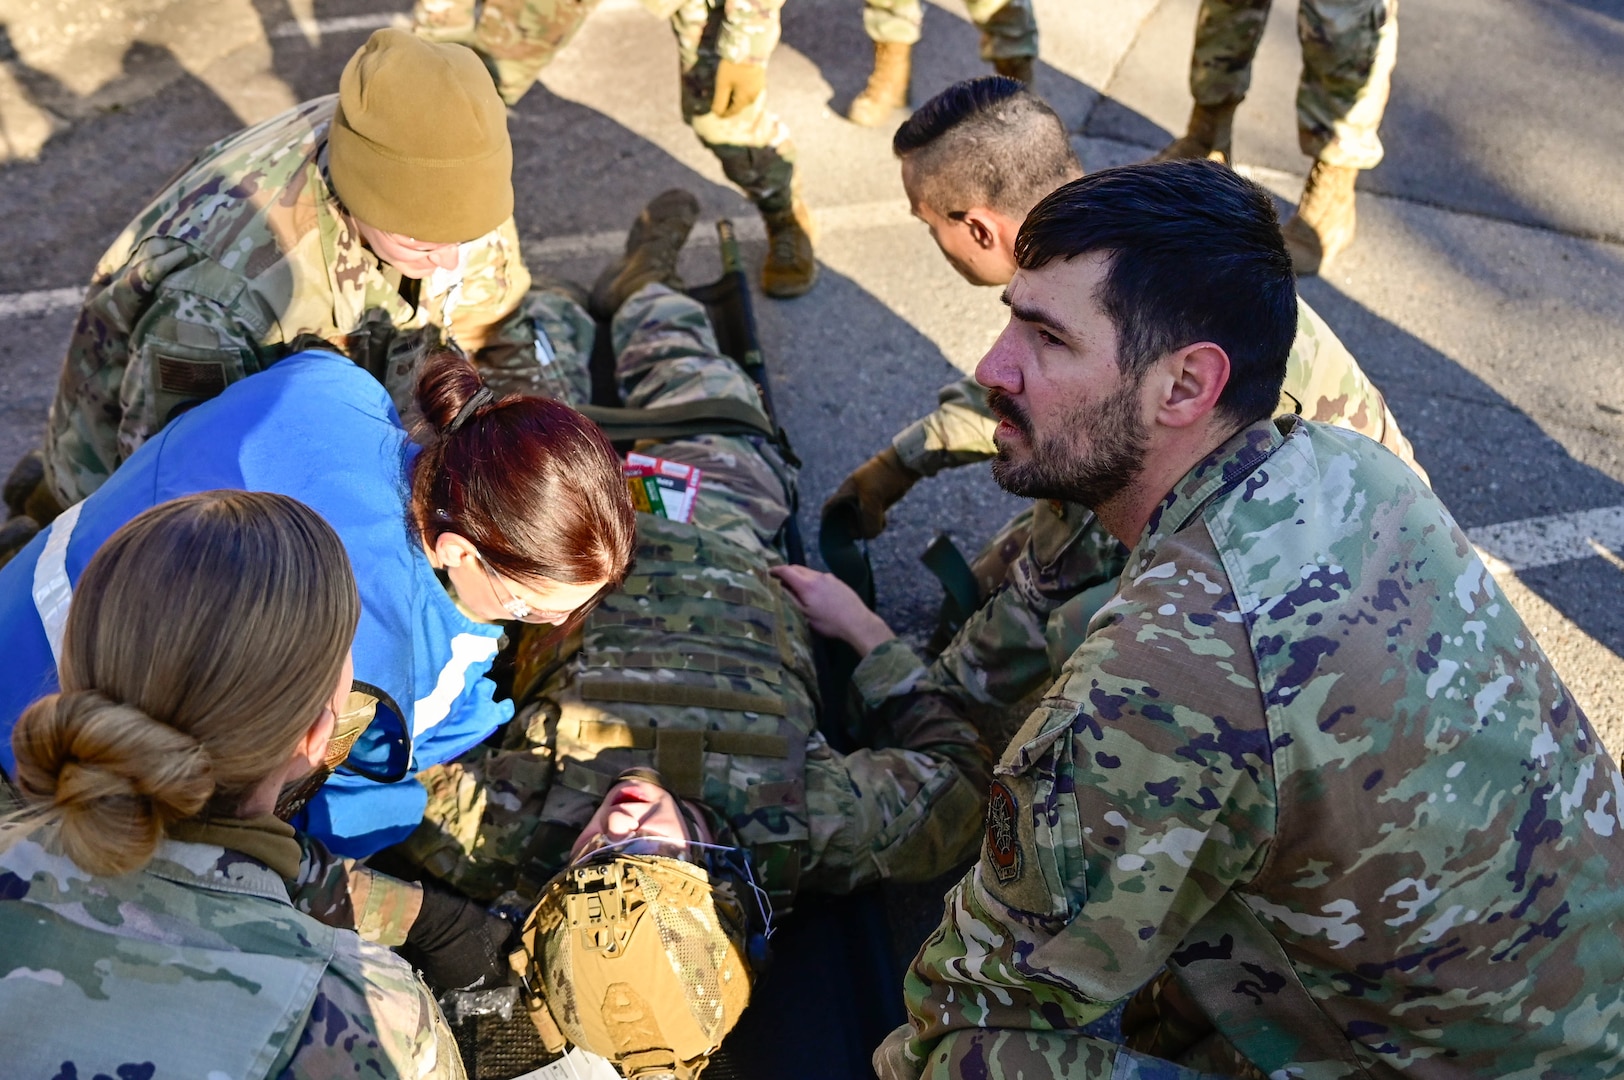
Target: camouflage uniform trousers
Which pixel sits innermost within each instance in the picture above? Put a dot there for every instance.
(1349, 48)
(1008, 27)
(518, 38)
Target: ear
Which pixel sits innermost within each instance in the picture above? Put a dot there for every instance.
(450, 549)
(1193, 379)
(312, 745)
(986, 227)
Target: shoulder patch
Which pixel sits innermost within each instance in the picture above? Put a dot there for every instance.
(1003, 845)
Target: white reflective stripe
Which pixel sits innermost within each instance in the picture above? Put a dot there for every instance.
(53, 592)
(466, 651)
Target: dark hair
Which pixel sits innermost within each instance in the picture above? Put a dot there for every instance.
(988, 142)
(1196, 255)
(530, 482)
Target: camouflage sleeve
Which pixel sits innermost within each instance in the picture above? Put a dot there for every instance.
(345, 894)
(750, 31)
(1015, 642)
(493, 282)
(958, 433)
(372, 1017)
(151, 336)
(1135, 796)
(907, 809)
(1324, 382)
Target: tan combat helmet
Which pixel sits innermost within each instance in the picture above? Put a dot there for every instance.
(641, 958)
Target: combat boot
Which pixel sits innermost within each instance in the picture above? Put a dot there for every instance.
(1018, 68)
(652, 247)
(1209, 135)
(1324, 222)
(790, 269)
(887, 89)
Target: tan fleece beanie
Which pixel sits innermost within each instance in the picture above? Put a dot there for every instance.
(419, 144)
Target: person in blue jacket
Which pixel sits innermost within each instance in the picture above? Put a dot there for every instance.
(503, 509)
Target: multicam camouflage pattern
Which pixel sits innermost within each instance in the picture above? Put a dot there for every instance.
(1310, 759)
(198, 967)
(1008, 27)
(1349, 49)
(701, 667)
(518, 38)
(1060, 565)
(243, 255)
(341, 893)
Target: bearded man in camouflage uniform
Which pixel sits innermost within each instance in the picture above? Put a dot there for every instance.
(1309, 776)
(975, 159)
(377, 222)
(722, 47)
(1349, 49)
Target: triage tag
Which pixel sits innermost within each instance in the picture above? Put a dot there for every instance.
(662, 487)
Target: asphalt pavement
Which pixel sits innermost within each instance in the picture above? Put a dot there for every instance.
(1485, 294)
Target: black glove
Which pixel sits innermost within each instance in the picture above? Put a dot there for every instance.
(458, 945)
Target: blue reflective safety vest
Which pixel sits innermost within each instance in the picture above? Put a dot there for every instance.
(320, 429)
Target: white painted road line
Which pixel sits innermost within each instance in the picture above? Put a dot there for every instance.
(39, 303)
(1514, 546)
(313, 29)
(556, 249)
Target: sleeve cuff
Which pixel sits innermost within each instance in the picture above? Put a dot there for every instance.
(891, 670)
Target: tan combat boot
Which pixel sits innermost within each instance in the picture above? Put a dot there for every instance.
(1209, 135)
(652, 247)
(887, 89)
(1018, 68)
(1324, 222)
(790, 269)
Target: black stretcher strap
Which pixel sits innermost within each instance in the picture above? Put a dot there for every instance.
(716, 416)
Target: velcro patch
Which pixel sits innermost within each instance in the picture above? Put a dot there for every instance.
(1003, 843)
(191, 378)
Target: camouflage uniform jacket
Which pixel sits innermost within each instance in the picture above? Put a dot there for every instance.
(1061, 566)
(245, 252)
(1312, 760)
(197, 967)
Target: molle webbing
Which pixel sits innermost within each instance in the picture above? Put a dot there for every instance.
(715, 416)
(678, 755)
(701, 697)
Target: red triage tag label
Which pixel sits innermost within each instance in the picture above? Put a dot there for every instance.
(662, 487)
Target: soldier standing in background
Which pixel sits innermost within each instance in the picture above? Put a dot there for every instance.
(1309, 793)
(1009, 42)
(1349, 48)
(723, 47)
(376, 222)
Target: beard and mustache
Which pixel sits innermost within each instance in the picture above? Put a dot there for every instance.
(1097, 452)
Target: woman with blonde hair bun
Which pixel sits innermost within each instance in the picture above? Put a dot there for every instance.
(145, 927)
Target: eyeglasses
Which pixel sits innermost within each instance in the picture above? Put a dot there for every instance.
(719, 862)
(514, 606)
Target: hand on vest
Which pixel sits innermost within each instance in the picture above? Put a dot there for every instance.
(737, 86)
(833, 609)
(458, 945)
(872, 488)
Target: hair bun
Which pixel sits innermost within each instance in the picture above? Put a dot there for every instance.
(115, 774)
(449, 392)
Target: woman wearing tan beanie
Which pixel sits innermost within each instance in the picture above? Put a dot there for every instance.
(376, 222)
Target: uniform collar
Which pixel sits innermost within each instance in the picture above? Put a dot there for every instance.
(1215, 474)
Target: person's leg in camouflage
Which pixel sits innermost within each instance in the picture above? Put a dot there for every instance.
(515, 38)
(1009, 35)
(1227, 33)
(544, 348)
(751, 142)
(1349, 49)
(1009, 42)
